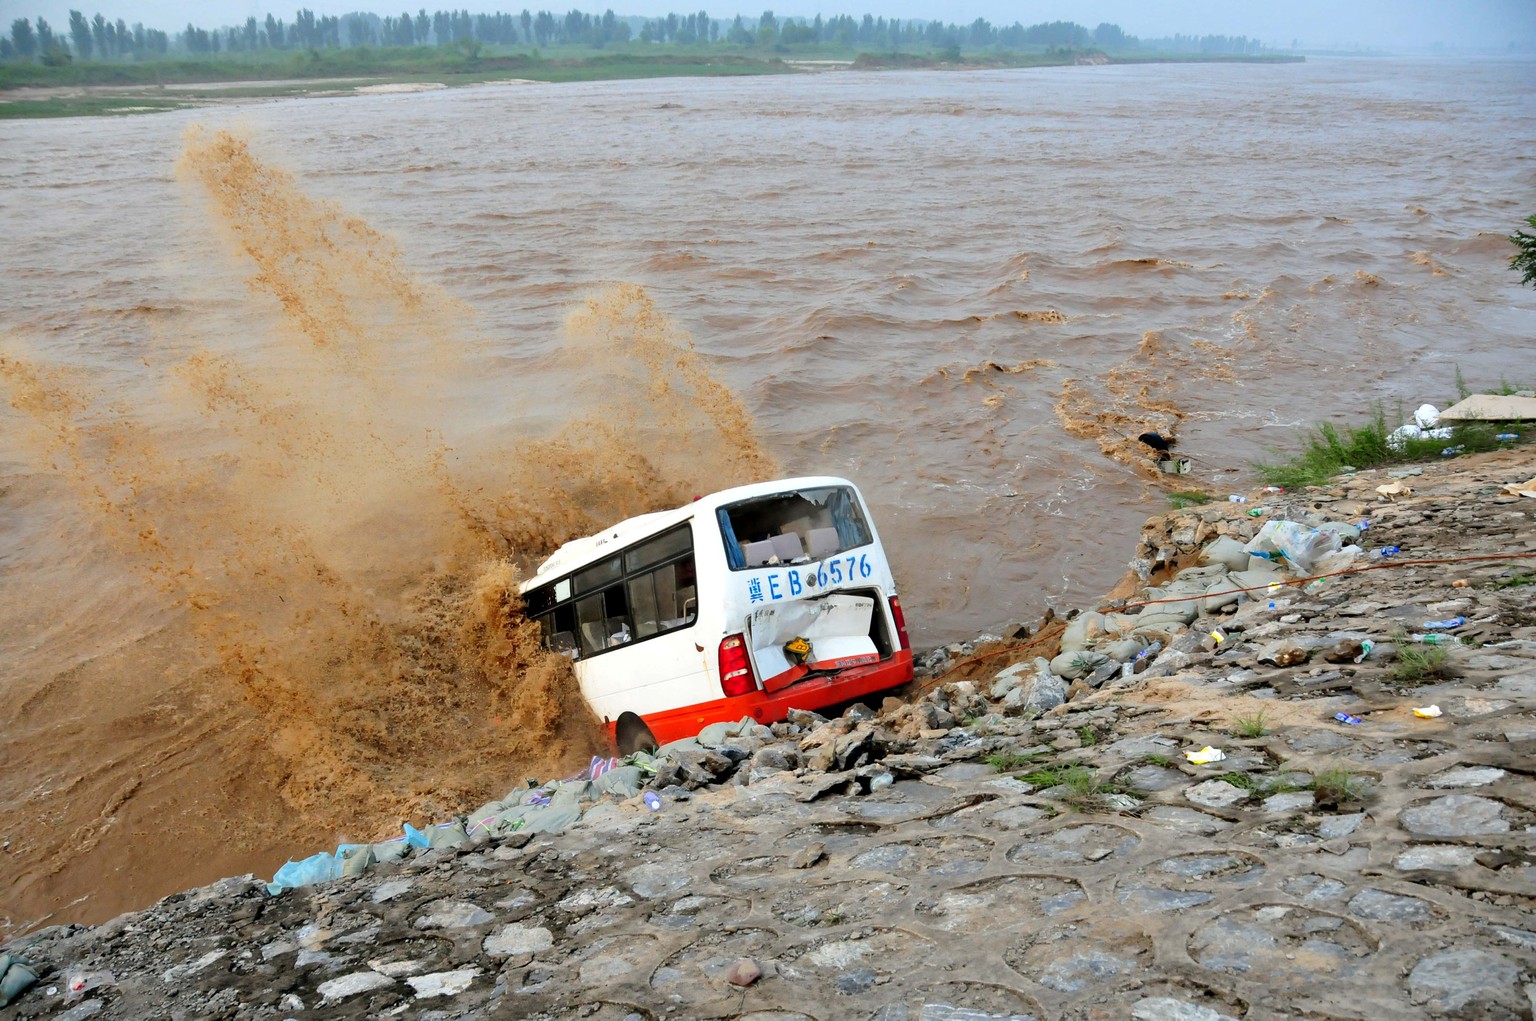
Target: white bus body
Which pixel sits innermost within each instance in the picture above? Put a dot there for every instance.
(747, 602)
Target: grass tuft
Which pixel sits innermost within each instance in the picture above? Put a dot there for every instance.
(1077, 786)
(1250, 726)
(1245, 781)
(1417, 662)
(1188, 498)
(1005, 762)
(1335, 785)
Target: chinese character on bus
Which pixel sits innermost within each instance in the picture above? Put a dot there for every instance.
(755, 589)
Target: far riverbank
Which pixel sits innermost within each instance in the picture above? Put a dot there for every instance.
(30, 91)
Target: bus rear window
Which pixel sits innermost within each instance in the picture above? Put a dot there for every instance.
(797, 527)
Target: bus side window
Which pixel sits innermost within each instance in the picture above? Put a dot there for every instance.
(590, 621)
(642, 598)
(680, 603)
(559, 629)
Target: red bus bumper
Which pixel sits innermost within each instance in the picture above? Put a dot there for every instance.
(813, 692)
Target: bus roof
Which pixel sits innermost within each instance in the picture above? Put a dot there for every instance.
(578, 552)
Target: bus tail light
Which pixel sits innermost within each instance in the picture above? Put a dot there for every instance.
(901, 622)
(736, 676)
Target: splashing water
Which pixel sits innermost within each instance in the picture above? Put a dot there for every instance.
(331, 552)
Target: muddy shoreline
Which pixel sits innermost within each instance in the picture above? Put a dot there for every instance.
(1008, 840)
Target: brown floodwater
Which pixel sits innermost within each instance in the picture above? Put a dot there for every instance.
(285, 387)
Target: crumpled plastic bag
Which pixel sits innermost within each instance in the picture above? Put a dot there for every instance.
(1423, 426)
(1302, 546)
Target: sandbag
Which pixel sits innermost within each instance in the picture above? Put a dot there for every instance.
(354, 858)
(623, 782)
(717, 734)
(1226, 551)
(1082, 630)
(1073, 665)
(1206, 572)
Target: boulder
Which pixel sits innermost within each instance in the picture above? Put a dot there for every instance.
(770, 760)
(1007, 679)
(1038, 692)
(1285, 652)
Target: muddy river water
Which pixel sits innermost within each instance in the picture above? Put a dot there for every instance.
(283, 381)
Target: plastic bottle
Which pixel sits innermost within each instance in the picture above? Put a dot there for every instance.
(1507, 437)
(1452, 451)
(1444, 625)
(1385, 551)
(1432, 639)
(1141, 657)
(652, 801)
(1234, 498)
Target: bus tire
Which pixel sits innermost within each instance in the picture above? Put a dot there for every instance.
(633, 735)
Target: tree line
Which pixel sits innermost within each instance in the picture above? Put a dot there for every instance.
(100, 39)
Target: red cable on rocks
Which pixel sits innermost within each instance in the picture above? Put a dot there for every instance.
(1055, 630)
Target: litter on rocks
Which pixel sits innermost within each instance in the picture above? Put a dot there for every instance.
(78, 983)
(1444, 625)
(1425, 426)
(1427, 712)
(1353, 721)
(1205, 756)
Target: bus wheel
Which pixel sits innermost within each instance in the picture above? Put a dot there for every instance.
(633, 735)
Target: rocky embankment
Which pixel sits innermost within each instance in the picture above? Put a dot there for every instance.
(1025, 836)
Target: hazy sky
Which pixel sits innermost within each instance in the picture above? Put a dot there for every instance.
(1316, 23)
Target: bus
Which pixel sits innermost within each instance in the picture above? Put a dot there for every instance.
(747, 602)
